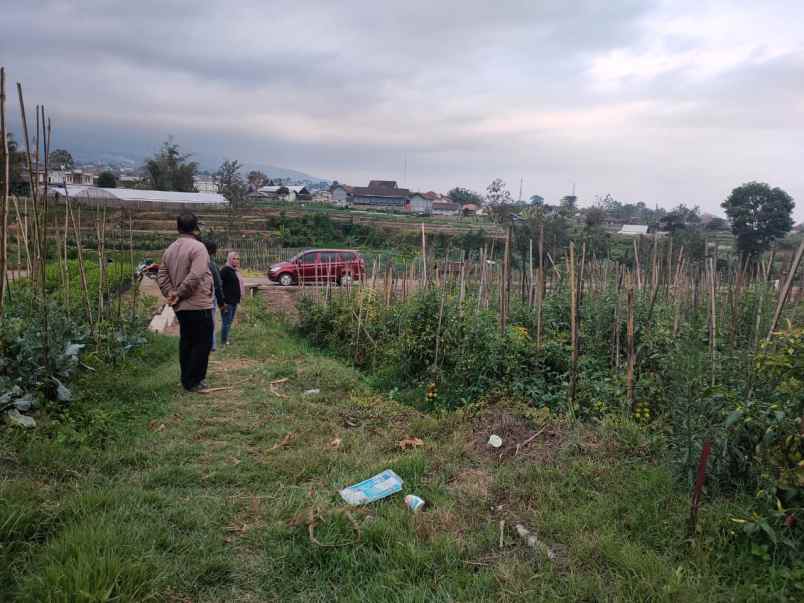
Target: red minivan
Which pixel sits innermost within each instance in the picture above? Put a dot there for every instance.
(344, 266)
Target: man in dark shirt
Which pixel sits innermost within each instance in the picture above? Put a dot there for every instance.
(212, 249)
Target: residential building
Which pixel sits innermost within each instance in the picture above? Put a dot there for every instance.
(341, 195)
(283, 193)
(205, 184)
(322, 197)
(633, 230)
(446, 208)
(380, 195)
(420, 205)
(69, 177)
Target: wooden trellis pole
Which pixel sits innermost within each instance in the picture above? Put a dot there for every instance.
(3, 193)
(424, 255)
(785, 289)
(712, 318)
(631, 351)
(573, 329)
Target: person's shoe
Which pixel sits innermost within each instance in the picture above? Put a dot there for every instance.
(199, 387)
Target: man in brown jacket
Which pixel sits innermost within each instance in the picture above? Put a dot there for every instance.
(186, 282)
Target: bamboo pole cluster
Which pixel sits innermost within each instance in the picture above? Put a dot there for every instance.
(46, 234)
(661, 282)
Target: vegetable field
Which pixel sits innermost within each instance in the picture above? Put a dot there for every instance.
(705, 356)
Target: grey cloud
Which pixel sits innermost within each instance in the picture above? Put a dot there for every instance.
(467, 90)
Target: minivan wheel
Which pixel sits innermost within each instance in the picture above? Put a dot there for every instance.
(286, 280)
(346, 280)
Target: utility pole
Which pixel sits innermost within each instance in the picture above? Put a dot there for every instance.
(520, 189)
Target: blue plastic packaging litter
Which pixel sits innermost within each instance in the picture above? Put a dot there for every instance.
(377, 487)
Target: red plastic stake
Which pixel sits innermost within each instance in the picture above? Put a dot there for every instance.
(699, 483)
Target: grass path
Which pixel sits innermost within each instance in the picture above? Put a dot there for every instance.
(146, 493)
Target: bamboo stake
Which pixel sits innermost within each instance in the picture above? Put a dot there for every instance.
(713, 318)
(654, 265)
(531, 283)
(80, 252)
(424, 255)
(615, 345)
(100, 230)
(503, 309)
(481, 278)
(22, 237)
(579, 286)
(786, 289)
(573, 329)
(3, 194)
(631, 351)
(541, 290)
(462, 293)
(637, 266)
(32, 178)
(438, 329)
(669, 264)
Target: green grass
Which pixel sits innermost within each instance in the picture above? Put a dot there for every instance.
(141, 493)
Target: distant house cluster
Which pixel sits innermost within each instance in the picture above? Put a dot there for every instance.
(289, 193)
(62, 177)
(386, 195)
(205, 184)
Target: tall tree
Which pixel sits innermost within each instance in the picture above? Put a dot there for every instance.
(499, 201)
(61, 159)
(230, 182)
(716, 224)
(497, 193)
(568, 205)
(680, 218)
(170, 170)
(18, 183)
(464, 196)
(256, 179)
(759, 215)
(107, 180)
(594, 216)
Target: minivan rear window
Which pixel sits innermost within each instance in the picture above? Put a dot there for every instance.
(327, 256)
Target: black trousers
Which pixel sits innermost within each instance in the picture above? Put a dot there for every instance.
(195, 343)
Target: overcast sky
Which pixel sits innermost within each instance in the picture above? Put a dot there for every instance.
(655, 101)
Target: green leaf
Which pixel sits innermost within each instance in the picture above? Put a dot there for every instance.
(733, 417)
(763, 524)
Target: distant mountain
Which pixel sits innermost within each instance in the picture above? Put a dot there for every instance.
(106, 159)
(284, 173)
(123, 161)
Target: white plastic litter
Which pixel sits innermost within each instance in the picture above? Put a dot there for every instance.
(377, 487)
(14, 417)
(163, 321)
(312, 392)
(534, 542)
(495, 441)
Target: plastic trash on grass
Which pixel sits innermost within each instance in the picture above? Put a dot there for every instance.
(377, 487)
